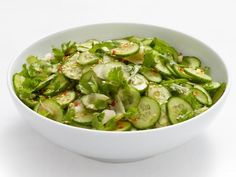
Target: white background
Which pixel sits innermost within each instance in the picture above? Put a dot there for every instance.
(24, 153)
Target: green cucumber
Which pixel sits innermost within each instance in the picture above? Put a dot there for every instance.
(191, 62)
(151, 74)
(129, 96)
(139, 82)
(88, 83)
(209, 100)
(71, 68)
(125, 49)
(136, 58)
(123, 126)
(198, 75)
(178, 110)
(211, 86)
(162, 68)
(87, 58)
(200, 96)
(219, 92)
(18, 81)
(65, 98)
(148, 113)
(58, 84)
(45, 82)
(95, 101)
(180, 71)
(51, 109)
(159, 93)
(163, 120)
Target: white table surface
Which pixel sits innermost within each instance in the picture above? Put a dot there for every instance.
(24, 153)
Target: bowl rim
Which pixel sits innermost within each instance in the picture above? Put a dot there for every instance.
(15, 97)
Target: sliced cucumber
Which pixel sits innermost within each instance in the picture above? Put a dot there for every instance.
(163, 120)
(45, 82)
(71, 68)
(200, 96)
(18, 81)
(95, 101)
(170, 68)
(148, 113)
(83, 47)
(191, 62)
(87, 58)
(129, 96)
(219, 92)
(80, 114)
(178, 110)
(102, 70)
(209, 100)
(211, 86)
(198, 75)
(134, 39)
(136, 58)
(159, 93)
(139, 82)
(58, 84)
(64, 98)
(151, 74)
(118, 105)
(51, 109)
(147, 41)
(88, 83)
(108, 115)
(123, 126)
(162, 68)
(180, 71)
(125, 49)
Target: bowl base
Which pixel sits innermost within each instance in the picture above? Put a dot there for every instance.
(117, 160)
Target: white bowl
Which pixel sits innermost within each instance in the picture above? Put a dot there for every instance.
(121, 146)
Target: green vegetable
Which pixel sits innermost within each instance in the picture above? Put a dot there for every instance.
(127, 84)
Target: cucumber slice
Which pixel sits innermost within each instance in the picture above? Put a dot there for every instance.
(108, 115)
(45, 82)
(51, 109)
(209, 100)
(180, 71)
(87, 58)
(83, 47)
(162, 68)
(148, 113)
(191, 62)
(134, 39)
(211, 86)
(219, 92)
(139, 82)
(163, 120)
(102, 70)
(125, 49)
(159, 93)
(136, 58)
(88, 83)
(95, 101)
(118, 106)
(18, 81)
(200, 96)
(151, 74)
(123, 126)
(178, 110)
(198, 75)
(129, 96)
(58, 84)
(169, 67)
(71, 68)
(81, 116)
(64, 98)
(147, 41)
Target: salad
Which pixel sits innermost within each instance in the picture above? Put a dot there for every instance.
(132, 83)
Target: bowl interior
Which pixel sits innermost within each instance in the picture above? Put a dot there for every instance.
(183, 43)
